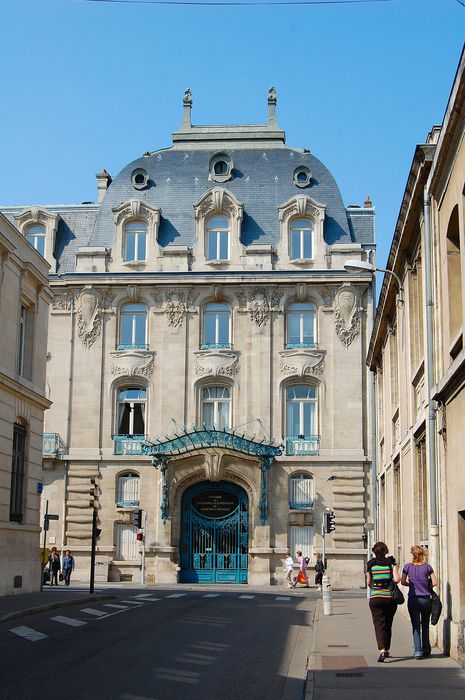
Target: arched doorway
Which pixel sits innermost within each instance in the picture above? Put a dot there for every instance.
(214, 533)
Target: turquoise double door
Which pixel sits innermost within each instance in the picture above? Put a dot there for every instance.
(214, 533)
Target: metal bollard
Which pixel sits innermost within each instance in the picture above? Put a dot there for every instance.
(326, 586)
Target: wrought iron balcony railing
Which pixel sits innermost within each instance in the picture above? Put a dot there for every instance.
(52, 445)
(128, 444)
(301, 505)
(302, 445)
(132, 346)
(216, 346)
(127, 504)
(293, 346)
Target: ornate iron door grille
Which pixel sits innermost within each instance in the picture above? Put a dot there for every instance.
(214, 535)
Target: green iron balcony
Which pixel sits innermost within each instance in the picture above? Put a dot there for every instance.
(302, 445)
(127, 504)
(296, 346)
(132, 346)
(52, 445)
(216, 346)
(301, 505)
(129, 444)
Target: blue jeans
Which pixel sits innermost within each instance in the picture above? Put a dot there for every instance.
(419, 608)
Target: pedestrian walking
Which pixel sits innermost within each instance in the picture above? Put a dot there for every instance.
(289, 568)
(302, 575)
(319, 570)
(421, 579)
(382, 572)
(68, 566)
(54, 565)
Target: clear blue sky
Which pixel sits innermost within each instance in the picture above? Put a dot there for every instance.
(86, 86)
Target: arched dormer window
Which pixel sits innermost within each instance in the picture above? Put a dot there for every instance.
(300, 491)
(36, 236)
(301, 326)
(216, 407)
(133, 327)
(216, 327)
(127, 490)
(135, 241)
(218, 238)
(302, 420)
(218, 216)
(301, 239)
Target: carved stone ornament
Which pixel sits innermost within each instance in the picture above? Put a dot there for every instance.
(216, 362)
(62, 302)
(347, 314)
(217, 201)
(175, 307)
(132, 363)
(136, 209)
(89, 319)
(327, 294)
(302, 206)
(302, 362)
(214, 466)
(241, 297)
(259, 302)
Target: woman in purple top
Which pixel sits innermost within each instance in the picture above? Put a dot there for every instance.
(420, 578)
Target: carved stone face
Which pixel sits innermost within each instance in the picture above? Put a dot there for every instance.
(88, 308)
(347, 306)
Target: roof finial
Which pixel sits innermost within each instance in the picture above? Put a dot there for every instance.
(272, 106)
(187, 104)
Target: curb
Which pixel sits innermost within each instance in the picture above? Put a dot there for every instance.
(36, 610)
(310, 683)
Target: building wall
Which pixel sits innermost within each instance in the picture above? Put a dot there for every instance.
(23, 282)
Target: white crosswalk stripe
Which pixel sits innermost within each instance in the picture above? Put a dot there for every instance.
(176, 595)
(142, 595)
(283, 597)
(91, 611)
(133, 602)
(248, 597)
(211, 595)
(28, 633)
(69, 621)
(114, 605)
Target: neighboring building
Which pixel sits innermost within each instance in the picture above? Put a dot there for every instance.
(421, 413)
(24, 302)
(200, 310)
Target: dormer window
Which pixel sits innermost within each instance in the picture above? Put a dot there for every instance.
(36, 235)
(218, 233)
(301, 239)
(135, 241)
(221, 167)
(302, 176)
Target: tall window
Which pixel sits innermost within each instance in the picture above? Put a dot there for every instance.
(421, 501)
(218, 238)
(135, 241)
(216, 326)
(301, 491)
(301, 411)
(216, 407)
(301, 326)
(18, 466)
(301, 239)
(25, 340)
(133, 326)
(454, 275)
(35, 234)
(301, 540)
(126, 542)
(131, 411)
(128, 490)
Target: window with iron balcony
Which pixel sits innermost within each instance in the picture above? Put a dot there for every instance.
(216, 327)
(301, 326)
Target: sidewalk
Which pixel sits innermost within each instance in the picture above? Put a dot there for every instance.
(343, 660)
(23, 604)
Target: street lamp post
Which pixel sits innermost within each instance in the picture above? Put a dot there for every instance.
(364, 266)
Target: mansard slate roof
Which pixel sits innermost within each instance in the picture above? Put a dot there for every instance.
(178, 177)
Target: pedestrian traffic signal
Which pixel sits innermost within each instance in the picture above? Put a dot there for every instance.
(137, 518)
(140, 536)
(329, 519)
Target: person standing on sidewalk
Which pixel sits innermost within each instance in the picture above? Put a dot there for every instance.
(319, 569)
(68, 566)
(289, 568)
(54, 565)
(381, 571)
(420, 578)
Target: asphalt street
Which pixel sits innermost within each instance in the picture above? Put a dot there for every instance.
(162, 644)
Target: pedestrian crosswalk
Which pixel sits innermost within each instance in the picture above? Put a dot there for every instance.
(92, 614)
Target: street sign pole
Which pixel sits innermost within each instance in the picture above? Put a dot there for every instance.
(92, 553)
(142, 571)
(42, 566)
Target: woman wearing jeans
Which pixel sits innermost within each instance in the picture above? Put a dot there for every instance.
(420, 577)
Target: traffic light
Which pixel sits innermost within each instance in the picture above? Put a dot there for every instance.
(140, 536)
(137, 518)
(329, 522)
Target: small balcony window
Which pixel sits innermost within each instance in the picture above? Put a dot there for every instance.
(301, 239)
(135, 241)
(218, 232)
(301, 492)
(301, 326)
(301, 416)
(216, 326)
(216, 407)
(133, 327)
(128, 491)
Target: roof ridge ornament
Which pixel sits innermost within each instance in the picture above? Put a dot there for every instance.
(272, 101)
(187, 105)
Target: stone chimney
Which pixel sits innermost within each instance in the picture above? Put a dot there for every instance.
(368, 203)
(272, 107)
(103, 183)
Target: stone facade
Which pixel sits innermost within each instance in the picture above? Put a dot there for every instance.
(24, 301)
(420, 374)
(160, 322)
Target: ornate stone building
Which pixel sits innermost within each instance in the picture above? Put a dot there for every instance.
(418, 355)
(206, 362)
(24, 301)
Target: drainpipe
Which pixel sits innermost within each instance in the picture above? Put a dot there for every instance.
(68, 421)
(431, 428)
(374, 426)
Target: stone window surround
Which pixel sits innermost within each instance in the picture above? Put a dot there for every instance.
(301, 207)
(120, 306)
(218, 201)
(125, 472)
(298, 381)
(40, 217)
(296, 473)
(310, 302)
(127, 382)
(128, 212)
(205, 382)
(204, 306)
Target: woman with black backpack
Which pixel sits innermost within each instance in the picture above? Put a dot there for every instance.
(319, 569)
(382, 573)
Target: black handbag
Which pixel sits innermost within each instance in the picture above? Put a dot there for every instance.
(396, 594)
(436, 608)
